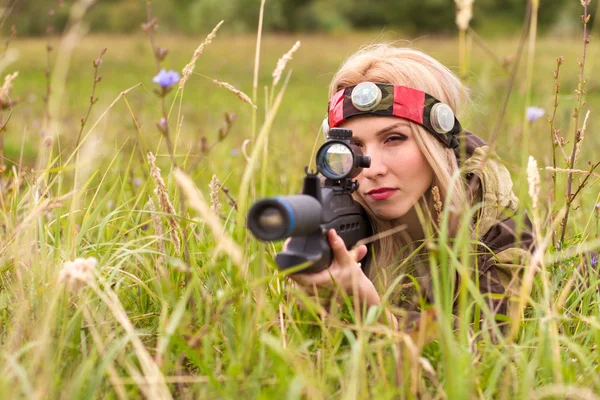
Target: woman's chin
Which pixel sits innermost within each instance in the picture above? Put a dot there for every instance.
(387, 214)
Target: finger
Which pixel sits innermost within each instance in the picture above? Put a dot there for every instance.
(321, 278)
(285, 244)
(359, 253)
(340, 253)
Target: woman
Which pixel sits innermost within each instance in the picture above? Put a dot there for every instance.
(400, 104)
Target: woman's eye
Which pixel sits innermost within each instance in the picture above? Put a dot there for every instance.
(396, 138)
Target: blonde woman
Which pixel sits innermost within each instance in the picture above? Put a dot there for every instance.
(401, 104)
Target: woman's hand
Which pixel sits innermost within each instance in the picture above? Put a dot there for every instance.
(344, 273)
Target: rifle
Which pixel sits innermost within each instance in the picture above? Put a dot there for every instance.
(307, 217)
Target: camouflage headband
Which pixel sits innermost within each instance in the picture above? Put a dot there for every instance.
(368, 98)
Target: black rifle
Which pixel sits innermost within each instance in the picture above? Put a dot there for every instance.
(307, 217)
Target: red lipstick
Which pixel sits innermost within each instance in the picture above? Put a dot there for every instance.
(381, 193)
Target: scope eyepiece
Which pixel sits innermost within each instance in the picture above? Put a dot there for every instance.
(337, 159)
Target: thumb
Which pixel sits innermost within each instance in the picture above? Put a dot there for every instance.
(359, 253)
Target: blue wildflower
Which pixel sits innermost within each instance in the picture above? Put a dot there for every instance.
(594, 261)
(166, 79)
(534, 113)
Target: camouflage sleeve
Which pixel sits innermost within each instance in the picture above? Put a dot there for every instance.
(501, 258)
(502, 255)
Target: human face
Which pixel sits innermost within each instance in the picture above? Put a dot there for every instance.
(399, 174)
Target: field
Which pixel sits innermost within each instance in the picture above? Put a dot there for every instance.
(188, 305)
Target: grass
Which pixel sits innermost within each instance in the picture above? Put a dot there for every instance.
(148, 323)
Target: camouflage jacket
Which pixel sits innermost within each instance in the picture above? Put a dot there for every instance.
(501, 253)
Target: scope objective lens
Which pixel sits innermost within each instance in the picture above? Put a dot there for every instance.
(271, 218)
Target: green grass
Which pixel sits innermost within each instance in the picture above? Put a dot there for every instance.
(214, 329)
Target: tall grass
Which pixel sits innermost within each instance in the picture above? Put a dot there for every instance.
(98, 300)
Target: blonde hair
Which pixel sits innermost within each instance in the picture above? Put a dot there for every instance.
(383, 63)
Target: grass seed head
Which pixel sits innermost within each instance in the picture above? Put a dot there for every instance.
(283, 61)
(533, 181)
(241, 95)
(464, 13)
(215, 204)
(5, 101)
(78, 273)
(163, 200)
(189, 68)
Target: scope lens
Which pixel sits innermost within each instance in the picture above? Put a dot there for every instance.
(271, 219)
(335, 160)
(277, 218)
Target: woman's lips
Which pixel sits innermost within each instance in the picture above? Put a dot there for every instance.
(382, 194)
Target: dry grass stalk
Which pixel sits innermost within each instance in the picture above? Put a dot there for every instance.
(257, 54)
(437, 204)
(113, 375)
(189, 68)
(163, 200)
(533, 181)
(81, 273)
(8, 57)
(561, 391)
(158, 231)
(196, 201)
(245, 144)
(380, 235)
(283, 62)
(152, 382)
(574, 171)
(230, 198)
(43, 208)
(215, 204)
(580, 91)
(241, 95)
(582, 134)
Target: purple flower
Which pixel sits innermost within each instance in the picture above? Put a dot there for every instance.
(166, 79)
(597, 207)
(594, 261)
(534, 113)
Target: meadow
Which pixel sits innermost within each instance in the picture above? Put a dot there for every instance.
(184, 303)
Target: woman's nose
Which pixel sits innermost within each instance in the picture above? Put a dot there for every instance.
(378, 166)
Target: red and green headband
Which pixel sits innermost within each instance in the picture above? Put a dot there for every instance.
(368, 98)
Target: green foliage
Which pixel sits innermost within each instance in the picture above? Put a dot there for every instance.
(117, 16)
(198, 16)
(212, 329)
(32, 18)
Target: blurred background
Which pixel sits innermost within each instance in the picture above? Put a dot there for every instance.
(412, 17)
(329, 31)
